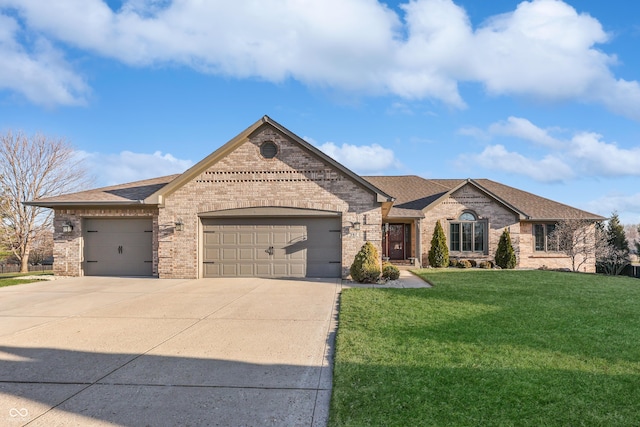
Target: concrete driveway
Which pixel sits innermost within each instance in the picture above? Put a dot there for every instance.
(137, 352)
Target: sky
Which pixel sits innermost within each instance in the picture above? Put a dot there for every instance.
(542, 95)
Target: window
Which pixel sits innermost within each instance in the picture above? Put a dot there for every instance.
(543, 238)
(467, 234)
(268, 150)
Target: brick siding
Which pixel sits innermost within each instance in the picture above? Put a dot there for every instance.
(294, 178)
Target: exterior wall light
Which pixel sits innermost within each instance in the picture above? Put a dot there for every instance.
(67, 227)
(356, 226)
(179, 224)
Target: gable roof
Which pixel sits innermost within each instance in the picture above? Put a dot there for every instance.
(132, 193)
(415, 195)
(154, 191)
(204, 164)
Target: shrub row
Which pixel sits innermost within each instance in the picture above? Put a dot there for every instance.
(470, 263)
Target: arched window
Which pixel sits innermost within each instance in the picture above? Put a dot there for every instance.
(468, 233)
(467, 216)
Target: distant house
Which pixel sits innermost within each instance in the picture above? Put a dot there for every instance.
(269, 204)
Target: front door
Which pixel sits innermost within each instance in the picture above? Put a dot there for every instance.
(395, 241)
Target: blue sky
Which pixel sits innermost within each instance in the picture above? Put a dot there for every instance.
(542, 95)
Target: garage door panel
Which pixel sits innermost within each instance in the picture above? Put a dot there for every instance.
(246, 253)
(245, 238)
(246, 270)
(262, 238)
(262, 270)
(211, 253)
(292, 240)
(229, 270)
(281, 270)
(280, 237)
(211, 238)
(229, 239)
(229, 254)
(279, 254)
(212, 270)
(298, 270)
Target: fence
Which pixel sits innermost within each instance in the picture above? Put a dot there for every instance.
(15, 268)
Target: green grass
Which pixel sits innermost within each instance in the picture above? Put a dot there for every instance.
(11, 279)
(490, 348)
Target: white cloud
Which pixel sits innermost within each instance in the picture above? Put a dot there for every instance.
(364, 159)
(627, 206)
(127, 166)
(585, 153)
(38, 72)
(599, 157)
(543, 49)
(522, 128)
(497, 158)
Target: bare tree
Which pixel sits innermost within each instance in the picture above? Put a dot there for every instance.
(42, 247)
(33, 167)
(576, 238)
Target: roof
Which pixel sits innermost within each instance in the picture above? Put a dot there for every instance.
(116, 195)
(204, 164)
(154, 191)
(415, 195)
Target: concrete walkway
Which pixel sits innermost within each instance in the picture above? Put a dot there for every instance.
(136, 352)
(406, 280)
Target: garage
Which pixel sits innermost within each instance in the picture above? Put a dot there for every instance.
(118, 247)
(275, 246)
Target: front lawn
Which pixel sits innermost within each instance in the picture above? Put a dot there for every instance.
(490, 348)
(10, 279)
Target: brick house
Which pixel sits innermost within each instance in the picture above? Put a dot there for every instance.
(269, 204)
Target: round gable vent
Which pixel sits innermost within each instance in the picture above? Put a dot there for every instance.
(268, 150)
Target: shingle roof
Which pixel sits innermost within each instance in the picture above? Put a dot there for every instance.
(415, 194)
(124, 194)
(535, 207)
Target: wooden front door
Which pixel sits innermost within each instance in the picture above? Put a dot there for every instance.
(395, 241)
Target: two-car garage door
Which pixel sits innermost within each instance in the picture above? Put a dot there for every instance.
(272, 247)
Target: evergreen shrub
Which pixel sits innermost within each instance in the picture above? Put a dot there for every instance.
(366, 267)
(390, 271)
(438, 253)
(505, 255)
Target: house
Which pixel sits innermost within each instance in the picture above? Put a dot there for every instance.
(269, 204)
(473, 214)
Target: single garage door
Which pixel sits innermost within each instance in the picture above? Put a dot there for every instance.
(118, 247)
(272, 247)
